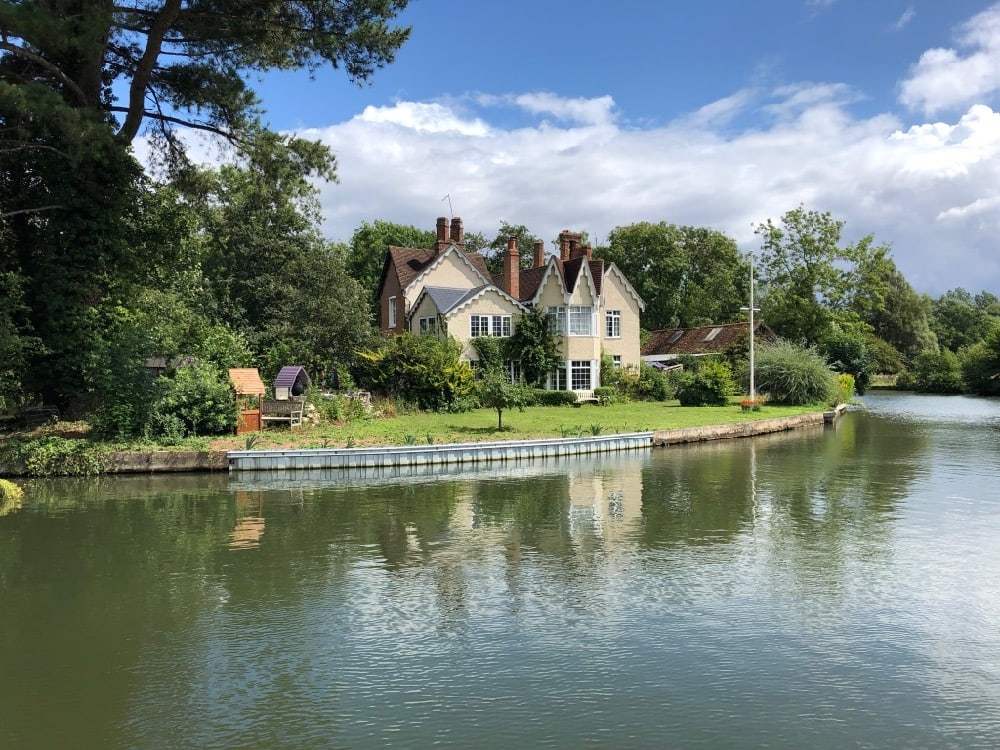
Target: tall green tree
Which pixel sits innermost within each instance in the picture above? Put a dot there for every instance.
(70, 190)
(808, 279)
(366, 252)
(687, 276)
(959, 319)
(896, 313)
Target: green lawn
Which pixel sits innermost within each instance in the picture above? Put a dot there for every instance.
(534, 422)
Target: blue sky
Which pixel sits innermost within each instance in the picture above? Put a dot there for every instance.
(589, 115)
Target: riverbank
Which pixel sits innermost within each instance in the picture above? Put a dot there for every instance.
(214, 460)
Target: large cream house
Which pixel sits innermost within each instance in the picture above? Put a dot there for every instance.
(444, 290)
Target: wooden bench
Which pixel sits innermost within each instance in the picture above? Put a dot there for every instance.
(289, 410)
(586, 397)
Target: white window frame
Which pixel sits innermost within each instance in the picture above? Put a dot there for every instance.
(581, 374)
(498, 326)
(581, 320)
(428, 324)
(616, 359)
(513, 369)
(613, 324)
(557, 380)
(392, 312)
(557, 319)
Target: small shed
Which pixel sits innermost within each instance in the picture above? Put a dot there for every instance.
(291, 381)
(249, 395)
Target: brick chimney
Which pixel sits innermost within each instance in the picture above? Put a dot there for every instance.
(457, 233)
(512, 269)
(580, 252)
(569, 242)
(539, 254)
(442, 234)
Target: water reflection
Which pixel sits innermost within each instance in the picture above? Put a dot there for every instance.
(829, 587)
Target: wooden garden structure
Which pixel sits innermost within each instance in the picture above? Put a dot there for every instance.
(249, 398)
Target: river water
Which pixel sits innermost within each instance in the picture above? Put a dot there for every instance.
(827, 588)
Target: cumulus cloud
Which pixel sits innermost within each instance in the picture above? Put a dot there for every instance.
(927, 189)
(945, 78)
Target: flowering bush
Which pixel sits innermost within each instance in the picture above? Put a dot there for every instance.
(750, 404)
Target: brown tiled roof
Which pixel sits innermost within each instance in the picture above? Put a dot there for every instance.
(531, 279)
(702, 340)
(410, 262)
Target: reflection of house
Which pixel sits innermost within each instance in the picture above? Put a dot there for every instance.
(445, 290)
(670, 343)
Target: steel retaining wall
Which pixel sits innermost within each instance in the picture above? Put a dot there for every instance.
(420, 455)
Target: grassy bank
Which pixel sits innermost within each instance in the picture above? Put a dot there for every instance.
(67, 448)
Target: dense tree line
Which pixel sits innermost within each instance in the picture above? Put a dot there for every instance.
(103, 266)
(98, 264)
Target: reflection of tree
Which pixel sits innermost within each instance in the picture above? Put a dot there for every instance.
(823, 485)
(698, 494)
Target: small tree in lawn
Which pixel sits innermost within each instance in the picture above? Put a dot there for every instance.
(495, 391)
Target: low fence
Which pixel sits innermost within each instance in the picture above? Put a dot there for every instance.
(420, 455)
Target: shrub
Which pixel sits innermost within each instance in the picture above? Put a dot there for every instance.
(606, 395)
(197, 400)
(845, 388)
(56, 456)
(980, 365)
(710, 385)
(542, 397)
(848, 351)
(423, 369)
(794, 375)
(645, 383)
(933, 372)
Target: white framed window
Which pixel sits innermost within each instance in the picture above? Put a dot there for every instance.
(428, 325)
(613, 324)
(581, 320)
(392, 312)
(580, 375)
(513, 369)
(616, 359)
(557, 378)
(557, 319)
(489, 325)
(575, 320)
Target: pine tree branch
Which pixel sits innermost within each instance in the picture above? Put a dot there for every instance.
(54, 70)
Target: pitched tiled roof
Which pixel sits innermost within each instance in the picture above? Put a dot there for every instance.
(410, 262)
(446, 298)
(701, 340)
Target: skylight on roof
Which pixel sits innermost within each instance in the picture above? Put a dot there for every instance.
(676, 337)
(711, 334)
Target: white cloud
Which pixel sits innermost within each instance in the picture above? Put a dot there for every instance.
(928, 189)
(945, 78)
(904, 20)
(424, 117)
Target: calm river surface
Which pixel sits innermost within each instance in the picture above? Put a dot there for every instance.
(826, 588)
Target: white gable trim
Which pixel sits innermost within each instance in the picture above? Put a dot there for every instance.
(452, 250)
(551, 267)
(612, 268)
(585, 268)
(486, 290)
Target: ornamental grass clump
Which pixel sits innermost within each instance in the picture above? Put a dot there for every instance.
(794, 376)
